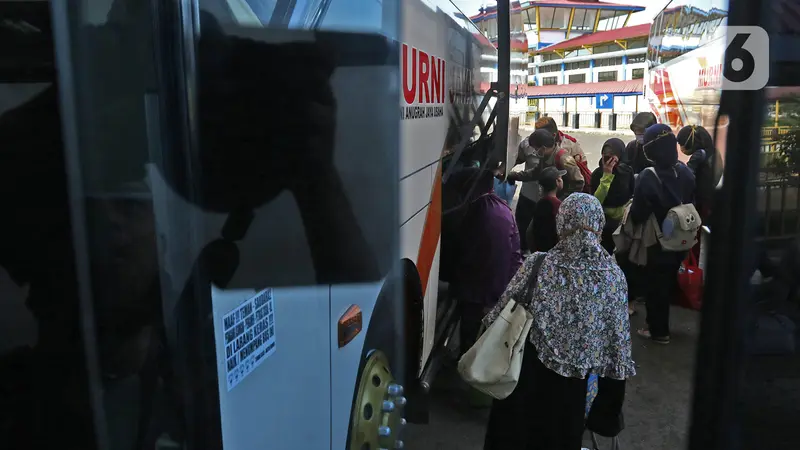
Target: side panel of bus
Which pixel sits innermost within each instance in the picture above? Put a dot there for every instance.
(685, 53)
(440, 64)
(686, 91)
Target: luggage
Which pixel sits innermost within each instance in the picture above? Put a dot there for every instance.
(690, 282)
(492, 365)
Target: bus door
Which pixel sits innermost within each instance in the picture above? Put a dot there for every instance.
(747, 381)
(233, 211)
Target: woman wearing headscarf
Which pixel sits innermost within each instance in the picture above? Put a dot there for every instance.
(634, 155)
(580, 327)
(669, 184)
(612, 184)
(704, 162)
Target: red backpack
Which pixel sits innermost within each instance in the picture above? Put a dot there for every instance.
(582, 166)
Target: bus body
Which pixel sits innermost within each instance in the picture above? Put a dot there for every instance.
(685, 57)
(684, 85)
(328, 369)
(446, 67)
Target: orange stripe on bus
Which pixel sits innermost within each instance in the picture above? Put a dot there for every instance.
(431, 232)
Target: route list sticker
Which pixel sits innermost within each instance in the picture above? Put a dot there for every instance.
(249, 336)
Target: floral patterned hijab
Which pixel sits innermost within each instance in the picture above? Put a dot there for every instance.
(580, 308)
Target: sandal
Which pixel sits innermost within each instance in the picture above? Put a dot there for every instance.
(645, 333)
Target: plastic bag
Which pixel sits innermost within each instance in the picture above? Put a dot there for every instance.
(505, 190)
(690, 281)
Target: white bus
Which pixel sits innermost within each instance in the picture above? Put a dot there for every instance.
(254, 237)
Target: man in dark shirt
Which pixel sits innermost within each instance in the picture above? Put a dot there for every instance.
(634, 153)
(541, 233)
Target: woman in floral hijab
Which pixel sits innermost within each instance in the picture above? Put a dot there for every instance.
(580, 327)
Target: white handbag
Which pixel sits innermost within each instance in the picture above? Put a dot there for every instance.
(492, 365)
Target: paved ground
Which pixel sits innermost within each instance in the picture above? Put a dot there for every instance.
(657, 400)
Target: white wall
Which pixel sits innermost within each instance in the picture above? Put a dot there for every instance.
(623, 73)
(629, 103)
(552, 37)
(622, 104)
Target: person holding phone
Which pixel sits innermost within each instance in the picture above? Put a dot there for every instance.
(612, 184)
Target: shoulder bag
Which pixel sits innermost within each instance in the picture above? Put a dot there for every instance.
(493, 363)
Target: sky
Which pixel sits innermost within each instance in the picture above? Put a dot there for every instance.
(653, 7)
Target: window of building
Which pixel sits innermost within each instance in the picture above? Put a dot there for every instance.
(611, 19)
(605, 62)
(550, 56)
(610, 75)
(577, 78)
(637, 43)
(637, 74)
(584, 19)
(548, 81)
(554, 18)
(577, 52)
(531, 71)
(550, 68)
(636, 59)
(605, 48)
(576, 65)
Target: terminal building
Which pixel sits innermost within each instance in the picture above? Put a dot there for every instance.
(588, 76)
(563, 37)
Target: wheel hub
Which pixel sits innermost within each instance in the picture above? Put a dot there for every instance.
(378, 408)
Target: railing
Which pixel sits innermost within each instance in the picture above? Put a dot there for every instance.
(778, 203)
(772, 132)
(587, 119)
(770, 154)
(624, 120)
(777, 209)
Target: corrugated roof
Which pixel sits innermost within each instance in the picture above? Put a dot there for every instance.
(587, 89)
(490, 12)
(580, 4)
(600, 37)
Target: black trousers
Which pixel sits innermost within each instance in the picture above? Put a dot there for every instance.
(470, 316)
(607, 238)
(633, 276)
(661, 282)
(524, 216)
(545, 411)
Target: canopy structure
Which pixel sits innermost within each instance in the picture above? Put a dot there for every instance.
(548, 22)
